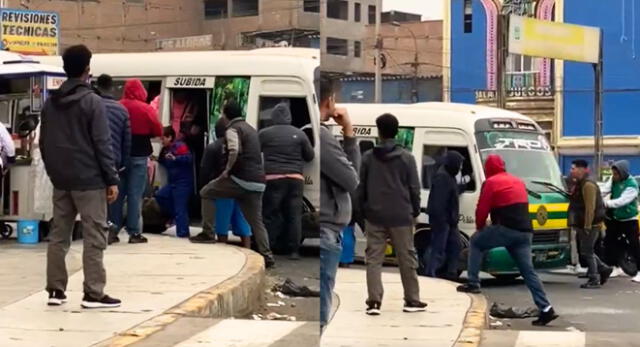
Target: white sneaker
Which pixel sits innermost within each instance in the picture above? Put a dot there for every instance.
(579, 270)
(617, 272)
(636, 278)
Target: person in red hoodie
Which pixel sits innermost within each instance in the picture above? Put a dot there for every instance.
(145, 125)
(505, 198)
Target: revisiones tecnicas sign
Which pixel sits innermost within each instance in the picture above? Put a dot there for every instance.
(30, 32)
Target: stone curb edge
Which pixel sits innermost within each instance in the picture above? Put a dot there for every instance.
(239, 295)
(474, 323)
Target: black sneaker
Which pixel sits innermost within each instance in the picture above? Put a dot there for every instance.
(591, 284)
(113, 238)
(294, 256)
(545, 317)
(414, 306)
(137, 238)
(269, 263)
(373, 308)
(203, 237)
(105, 302)
(468, 288)
(56, 298)
(604, 275)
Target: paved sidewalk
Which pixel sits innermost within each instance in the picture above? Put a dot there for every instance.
(440, 326)
(149, 278)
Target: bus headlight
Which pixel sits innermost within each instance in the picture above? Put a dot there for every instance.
(563, 237)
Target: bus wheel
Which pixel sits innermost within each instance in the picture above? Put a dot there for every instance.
(506, 277)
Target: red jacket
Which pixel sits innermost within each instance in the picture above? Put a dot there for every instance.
(145, 124)
(504, 196)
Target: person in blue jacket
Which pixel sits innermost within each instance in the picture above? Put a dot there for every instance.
(173, 198)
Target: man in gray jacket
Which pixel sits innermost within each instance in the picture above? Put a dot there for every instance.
(339, 178)
(286, 149)
(76, 150)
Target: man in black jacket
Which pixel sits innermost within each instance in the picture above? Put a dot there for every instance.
(76, 150)
(286, 149)
(120, 130)
(389, 196)
(443, 209)
(243, 177)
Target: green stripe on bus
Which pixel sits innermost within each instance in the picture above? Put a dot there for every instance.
(551, 215)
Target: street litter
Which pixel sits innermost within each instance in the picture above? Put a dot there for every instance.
(257, 317)
(275, 316)
(292, 289)
(504, 311)
(276, 304)
(280, 295)
(496, 324)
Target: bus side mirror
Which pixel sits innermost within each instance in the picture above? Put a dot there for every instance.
(28, 125)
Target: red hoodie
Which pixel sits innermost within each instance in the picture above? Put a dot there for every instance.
(504, 196)
(143, 117)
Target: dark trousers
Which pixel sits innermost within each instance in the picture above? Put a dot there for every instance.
(518, 244)
(174, 201)
(613, 248)
(445, 247)
(282, 207)
(250, 203)
(587, 241)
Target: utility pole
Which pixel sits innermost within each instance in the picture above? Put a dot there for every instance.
(502, 49)
(378, 79)
(597, 118)
(416, 62)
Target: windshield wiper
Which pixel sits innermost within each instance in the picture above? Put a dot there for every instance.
(534, 194)
(552, 187)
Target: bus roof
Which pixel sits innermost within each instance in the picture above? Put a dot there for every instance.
(18, 64)
(258, 62)
(429, 114)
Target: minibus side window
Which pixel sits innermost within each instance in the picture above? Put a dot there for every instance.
(300, 117)
(432, 157)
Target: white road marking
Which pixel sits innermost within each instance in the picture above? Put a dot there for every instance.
(551, 339)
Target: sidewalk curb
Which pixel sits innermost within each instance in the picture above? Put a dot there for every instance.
(474, 323)
(237, 296)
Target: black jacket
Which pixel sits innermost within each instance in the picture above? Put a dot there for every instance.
(389, 191)
(443, 205)
(120, 129)
(75, 140)
(248, 166)
(285, 147)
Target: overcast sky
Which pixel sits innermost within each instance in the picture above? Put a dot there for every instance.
(429, 9)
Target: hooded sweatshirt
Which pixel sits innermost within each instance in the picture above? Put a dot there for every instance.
(443, 199)
(504, 196)
(75, 140)
(285, 147)
(144, 119)
(389, 191)
(624, 194)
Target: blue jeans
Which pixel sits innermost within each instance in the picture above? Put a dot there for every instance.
(115, 210)
(229, 216)
(132, 187)
(518, 244)
(174, 200)
(348, 245)
(330, 251)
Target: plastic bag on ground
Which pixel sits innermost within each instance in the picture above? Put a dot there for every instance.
(504, 311)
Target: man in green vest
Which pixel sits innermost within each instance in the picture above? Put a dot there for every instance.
(622, 217)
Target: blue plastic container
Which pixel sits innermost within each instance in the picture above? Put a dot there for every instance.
(28, 231)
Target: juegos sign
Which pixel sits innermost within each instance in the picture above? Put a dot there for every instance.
(30, 32)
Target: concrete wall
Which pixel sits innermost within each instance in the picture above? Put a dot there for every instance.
(116, 26)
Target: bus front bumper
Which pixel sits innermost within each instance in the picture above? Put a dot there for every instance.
(498, 261)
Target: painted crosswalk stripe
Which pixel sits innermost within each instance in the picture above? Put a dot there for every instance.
(238, 332)
(551, 339)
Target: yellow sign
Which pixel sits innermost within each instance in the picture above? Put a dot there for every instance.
(539, 38)
(29, 32)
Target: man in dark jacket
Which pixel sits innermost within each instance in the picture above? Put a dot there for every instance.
(389, 196)
(76, 150)
(243, 177)
(145, 125)
(587, 213)
(505, 197)
(120, 129)
(339, 178)
(443, 209)
(286, 149)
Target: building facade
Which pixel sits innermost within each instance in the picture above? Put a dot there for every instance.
(559, 95)
(147, 25)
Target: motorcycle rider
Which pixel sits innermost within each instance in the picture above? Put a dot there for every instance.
(622, 216)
